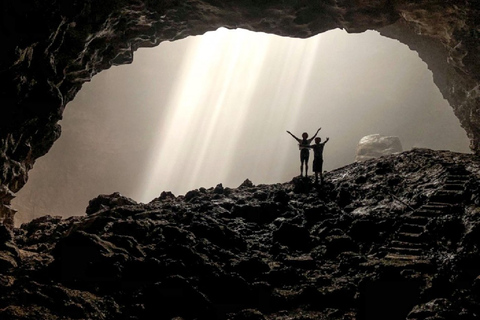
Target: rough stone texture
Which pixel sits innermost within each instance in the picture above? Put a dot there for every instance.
(50, 48)
(376, 145)
(397, 237)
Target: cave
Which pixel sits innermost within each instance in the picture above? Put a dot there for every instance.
(50, 50)
(115, 121)
(406, 222)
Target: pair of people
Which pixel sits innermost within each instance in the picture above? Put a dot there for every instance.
(304, 146)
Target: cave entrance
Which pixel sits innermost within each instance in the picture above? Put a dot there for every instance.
(214, 109)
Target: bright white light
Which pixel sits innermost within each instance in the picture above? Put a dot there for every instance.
(212, 107)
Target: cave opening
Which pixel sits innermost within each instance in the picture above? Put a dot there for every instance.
(214, 109)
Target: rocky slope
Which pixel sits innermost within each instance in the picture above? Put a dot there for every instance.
(391, 238)
(50, 48)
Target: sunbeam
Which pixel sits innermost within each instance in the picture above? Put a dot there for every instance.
(218, 113)
(214, 109)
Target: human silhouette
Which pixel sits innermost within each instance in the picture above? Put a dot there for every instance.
(318, 158)
(303, 145)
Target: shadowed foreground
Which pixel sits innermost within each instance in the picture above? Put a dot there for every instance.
(390, 238)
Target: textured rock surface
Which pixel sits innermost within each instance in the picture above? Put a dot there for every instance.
(376, 145)
(390, 238)
(50, 49)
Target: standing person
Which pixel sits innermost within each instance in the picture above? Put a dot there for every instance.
(303, 145)
(318, 158)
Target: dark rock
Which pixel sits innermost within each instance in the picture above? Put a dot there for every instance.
(166, 300)
(139, 229)
(5, 234)
(264, 213)
(218, 234)
(301, 185)
(165, 195)
(246, 184)
(192, 194)
(344, 196)
(314, 214)
(104, 202)
(365, 230)
(7, 260)
(292, 235)
(281, 196)
(251, 268)
(338, 244)
(435, 309)
(260, 195)
(86, 259)
(305, 262)
(249, 314)
(218, 189)
(244, 255)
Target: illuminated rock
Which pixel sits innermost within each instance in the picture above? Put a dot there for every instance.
(376, 145)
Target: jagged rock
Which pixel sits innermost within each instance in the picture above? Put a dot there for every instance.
(239, 255)
(301, 185)
(192, 194)
(218, 189)
(51, 48)
(166, 300)
(292, 235)
(86, 259)
(246, 184)
(249, 314)
(435, 309)
(165, 195)
(103, 202)
(376, 145)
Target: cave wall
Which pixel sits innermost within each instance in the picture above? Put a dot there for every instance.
(49, 49)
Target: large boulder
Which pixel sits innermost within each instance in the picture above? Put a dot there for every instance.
(376, 145)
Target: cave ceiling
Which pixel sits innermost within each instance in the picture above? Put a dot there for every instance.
(49, 49)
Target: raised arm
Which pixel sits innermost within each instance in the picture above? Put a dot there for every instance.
(293, 136)
(315, 134)
(326, 140)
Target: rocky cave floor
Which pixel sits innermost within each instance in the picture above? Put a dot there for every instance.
(396, 237)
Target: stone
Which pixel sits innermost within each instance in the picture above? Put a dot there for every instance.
(309, 258)
(103, 202)
(249, 314)
(246, 184)
(376, 145)
(292, 235)
(46, 61)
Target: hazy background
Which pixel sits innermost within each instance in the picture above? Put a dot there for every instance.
(214, 109)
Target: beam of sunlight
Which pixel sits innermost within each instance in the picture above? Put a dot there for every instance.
(214, 109)
(212, 97)
(238, 92)
(218, 109)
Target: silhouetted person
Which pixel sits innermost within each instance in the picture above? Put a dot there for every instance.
(303, 145)
(318, 158)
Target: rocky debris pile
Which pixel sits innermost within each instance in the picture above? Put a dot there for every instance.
(281, 251)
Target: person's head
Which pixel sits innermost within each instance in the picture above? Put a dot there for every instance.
(317, 140)
(304, 135)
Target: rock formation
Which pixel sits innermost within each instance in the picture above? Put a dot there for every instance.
(395, 237)
(375, 145)
(50, 48)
